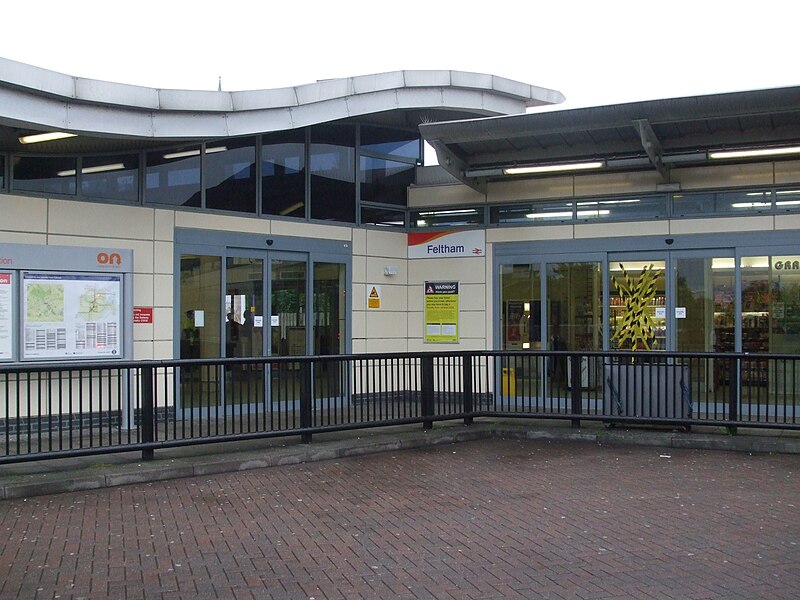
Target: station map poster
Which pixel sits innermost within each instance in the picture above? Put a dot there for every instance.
(71, 315)
(6, 317)
(441, 312)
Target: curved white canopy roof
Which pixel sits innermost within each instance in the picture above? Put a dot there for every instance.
(39, 99)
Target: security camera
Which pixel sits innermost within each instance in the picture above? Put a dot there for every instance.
(669, 241)
(270, 242)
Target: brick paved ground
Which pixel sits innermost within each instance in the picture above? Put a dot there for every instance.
(488, 519)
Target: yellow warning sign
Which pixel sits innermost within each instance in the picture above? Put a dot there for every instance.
(374, 296)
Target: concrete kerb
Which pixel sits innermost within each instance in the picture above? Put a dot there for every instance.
(91, 475)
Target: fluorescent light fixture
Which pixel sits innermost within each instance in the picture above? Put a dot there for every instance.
(97, 169)
(596, 202)
(45, 137)
(751, 204)
(533, 169)
(787, 203)
(788, 192)
(568, 214)
(438, 213)
(754, 152)
(527, 307)
(188, 153)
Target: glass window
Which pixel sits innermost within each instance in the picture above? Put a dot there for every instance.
(111, 177)
(787, 200)
(230, 175)
(405, 144)
(447, 217)
(534, 213)
(283, 174)
(45, 174)
(704, 296)
(2, 171)
(708, 203)
(385, 181)
(638, 305)
(386, 217)
(652, 207)
(173, 177)
(574, 311)
(333, 190)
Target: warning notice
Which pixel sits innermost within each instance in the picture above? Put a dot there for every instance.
(373, 296)
(441, 312)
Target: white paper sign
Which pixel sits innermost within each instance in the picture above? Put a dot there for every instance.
(661, 312)
(680, 312)
(274, 320)
(199, 318)
(258, 321)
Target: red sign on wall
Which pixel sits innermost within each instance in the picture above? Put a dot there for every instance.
(142, 314)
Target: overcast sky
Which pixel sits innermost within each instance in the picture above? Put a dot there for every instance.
(594, 53)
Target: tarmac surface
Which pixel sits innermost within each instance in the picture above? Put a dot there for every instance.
(485, 511)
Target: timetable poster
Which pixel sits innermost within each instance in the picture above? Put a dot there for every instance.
(71, 315)
(6, 317)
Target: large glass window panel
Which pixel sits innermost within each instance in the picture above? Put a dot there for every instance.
(787, 200)
(111, 177)
(638, 305)
(574, 310)
(332, 156)
(645, 207)
(283, 174)
(709, 203)
(382, 217)
(704, 305)
(45, 174)
(2, 171)
(521, 329)
(448, 217)
(534, 213)
(200, 314)
(230, 177)
(385, 181)
(288, 325)
(399, 143)
(173, 177)
(329, 327)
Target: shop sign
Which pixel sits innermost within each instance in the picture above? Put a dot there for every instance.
(447, 244)
(441, 312)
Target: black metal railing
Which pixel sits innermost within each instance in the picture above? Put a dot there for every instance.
(92, 408)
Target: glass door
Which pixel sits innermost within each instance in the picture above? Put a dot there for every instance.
(244, 328)
(288, 324)
(637, 302)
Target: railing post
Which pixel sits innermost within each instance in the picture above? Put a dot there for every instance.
(147, 412)
(467, 385)
(427, 390)
(734, 371)
(575, 388)
(305, 400)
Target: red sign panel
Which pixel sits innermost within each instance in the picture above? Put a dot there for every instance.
(142, 314)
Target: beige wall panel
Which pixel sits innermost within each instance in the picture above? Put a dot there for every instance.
(359, 268)
(386, 324)
(384, 243)
(164, 225)
(393, 297)
(375, 274)
(415, 325)
(616, 183)
(142, 251)
(527, 234)
(359, 296)
(164, 257)
(162, 323)
(163, 350)
(13, 237)
(92, 219)
(375, 346)
(416, 298)
(143, 350)
(723, 176)
(722, 225)
(359, 346)
(531, 189)
(783, 222)
(472, 324)
(143, 290)
(143, 332)
(312, 230)
(443, 195)
(359, 321)
(464, 270)
(359, 241)
(199, 220)
(23, 214)
(163, 292)
(472, 296)
(633, 228)
(787, 172)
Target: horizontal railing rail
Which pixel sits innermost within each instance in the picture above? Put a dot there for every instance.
(50, 411)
